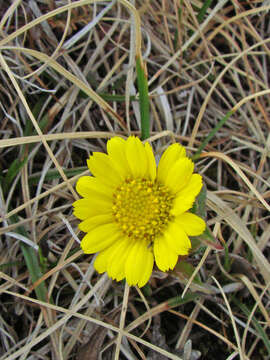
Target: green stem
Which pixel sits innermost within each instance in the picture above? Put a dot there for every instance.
(143, 99)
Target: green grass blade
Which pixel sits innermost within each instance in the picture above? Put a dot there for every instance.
(32, 263)
(12, 172)
(264, 337)
(203, 10)
(9, 265)
(31, 259)
(179, 300)
(31, 256)
(211, 135)
(117, 98)
(143, 99)
(54, 174)
(176, 32)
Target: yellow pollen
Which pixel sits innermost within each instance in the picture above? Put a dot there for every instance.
(142, 208)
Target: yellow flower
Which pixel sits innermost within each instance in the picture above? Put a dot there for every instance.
(134, 213)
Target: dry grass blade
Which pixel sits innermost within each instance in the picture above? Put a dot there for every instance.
(51, 137)
(235, 222)
(122, 321)
(240, 350)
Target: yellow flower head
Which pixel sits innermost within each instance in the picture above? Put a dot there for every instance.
(134, 213)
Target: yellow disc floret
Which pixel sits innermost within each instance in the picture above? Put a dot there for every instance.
(142, 208)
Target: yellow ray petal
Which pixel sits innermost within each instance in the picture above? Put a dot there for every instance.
(179, 175)
(88, 185)
(177, 239)
(173, 153)
(85, 208)
(192, 224)
(101, 261)
(148, 268)
(116, 148)
(112, 259)
(136, 157)
(151, 166)
(94, 221)
(102, 168)
(118, 257)
(186, 197)
(139, 264)
(100, 238)
(165, 257)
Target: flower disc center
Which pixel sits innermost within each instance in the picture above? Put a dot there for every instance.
(142, 208)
